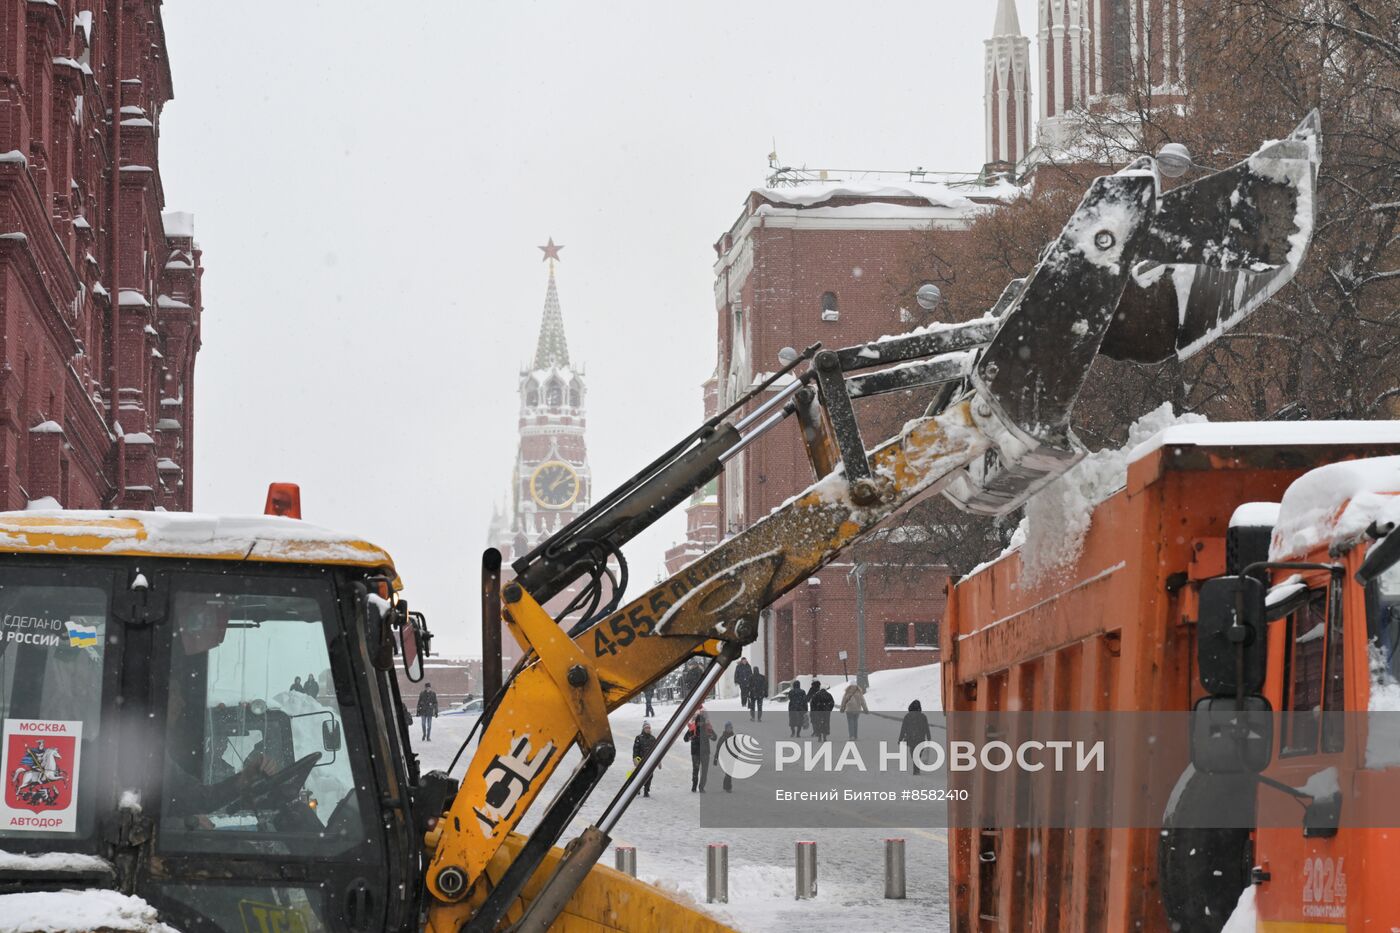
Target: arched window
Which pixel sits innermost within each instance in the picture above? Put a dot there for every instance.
(829, 312)
(554, 394)
(575, 397)
(532, 397)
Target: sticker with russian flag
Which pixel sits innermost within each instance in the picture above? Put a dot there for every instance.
(81, 636)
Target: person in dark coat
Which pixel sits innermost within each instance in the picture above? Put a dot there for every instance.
(797, 708)
(690, 679)
(427, 711)
(758, 691)
(821, 703)
(641, 748)
(742, 674)
(647, 694)
(725, 737)
(699, 734)
(296, 686)
(310, 687)
(913, 731)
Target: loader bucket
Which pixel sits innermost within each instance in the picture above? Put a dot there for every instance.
(1219, 248)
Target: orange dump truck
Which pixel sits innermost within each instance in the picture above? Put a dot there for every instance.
(1115, 629)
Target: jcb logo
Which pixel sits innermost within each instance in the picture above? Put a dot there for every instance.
(508, 778)
(269, 918)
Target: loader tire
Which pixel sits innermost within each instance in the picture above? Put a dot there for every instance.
(1201, 872)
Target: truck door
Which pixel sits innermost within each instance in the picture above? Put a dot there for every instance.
(1307, 869)
(267, 819)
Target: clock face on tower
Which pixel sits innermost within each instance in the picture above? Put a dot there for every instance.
(554, 484)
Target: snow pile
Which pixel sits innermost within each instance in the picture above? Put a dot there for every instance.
(74, 911)
(53, 861)
(1335, 504)
(1245, 917)
(1051, 536)
(265, 537)
(1272, 434)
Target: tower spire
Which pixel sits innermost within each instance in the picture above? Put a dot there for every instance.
(552, 348)
(1008, 24)
(1008, 91)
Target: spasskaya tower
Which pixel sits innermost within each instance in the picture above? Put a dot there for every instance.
(552, 483)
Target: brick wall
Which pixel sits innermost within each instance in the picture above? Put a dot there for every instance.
(99, 290)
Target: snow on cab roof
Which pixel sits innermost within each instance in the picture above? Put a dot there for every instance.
(183, 534)
(1335, 504)
(1269, 434)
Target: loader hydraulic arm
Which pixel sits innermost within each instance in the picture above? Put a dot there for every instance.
(999, 430)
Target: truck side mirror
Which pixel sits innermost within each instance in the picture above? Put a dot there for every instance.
(1381, 556)
(414, 638)
(377, 634)
(1230, 736)
(330, 735)
(1231, 647)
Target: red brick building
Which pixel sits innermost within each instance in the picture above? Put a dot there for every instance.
(99, 290)
(806, 262)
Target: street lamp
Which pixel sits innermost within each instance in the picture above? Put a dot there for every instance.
(862, 673)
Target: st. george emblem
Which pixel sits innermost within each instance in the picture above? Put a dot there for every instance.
(40, 774)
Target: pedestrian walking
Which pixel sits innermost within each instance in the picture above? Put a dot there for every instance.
(913, 731)
(821, 703)
(690, 678)
(310, 687)
(726, 736)
(853, 704)
(742, 674)
(647, 695)
(427, 710)
(641, 748)
(296, 686)
(758, 690)
(699, 733)
(797, 708)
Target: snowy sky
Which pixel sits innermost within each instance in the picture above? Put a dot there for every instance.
(370, 184)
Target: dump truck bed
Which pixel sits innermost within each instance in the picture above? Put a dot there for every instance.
(1112, 630)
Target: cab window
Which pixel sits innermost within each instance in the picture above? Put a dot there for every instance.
(255, 757)
(1314, 676)
(1383, 624)
(53, 640)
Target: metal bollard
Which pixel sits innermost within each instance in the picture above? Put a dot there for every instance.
(625, 858)
(806, 870)
(894, 869)
(717, 873)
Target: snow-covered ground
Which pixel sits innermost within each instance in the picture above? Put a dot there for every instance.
(665, 829)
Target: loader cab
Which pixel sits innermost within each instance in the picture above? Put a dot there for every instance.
(222, 733)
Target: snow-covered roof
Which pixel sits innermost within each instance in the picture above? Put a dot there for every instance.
(1334, 505)
(267, 538)
(1270, 434)
(818, 192)
(1255, 515)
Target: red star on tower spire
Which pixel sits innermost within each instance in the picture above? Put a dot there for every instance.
(551, 252)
